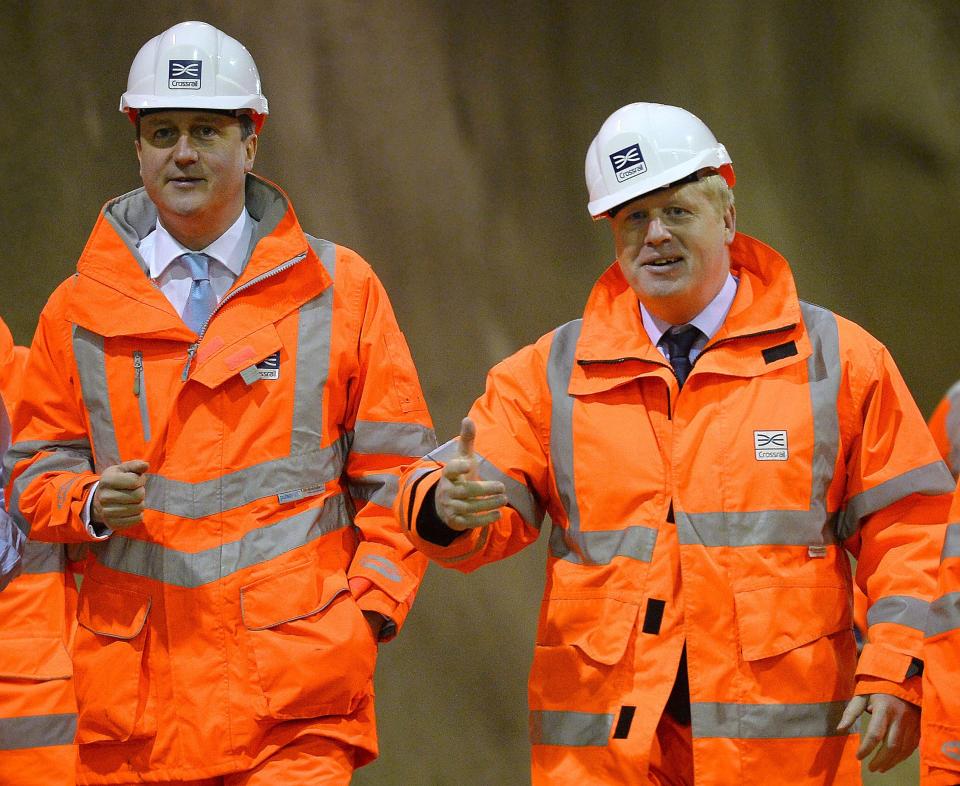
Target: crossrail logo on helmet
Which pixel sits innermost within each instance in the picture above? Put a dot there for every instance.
(184, 74)
(628, 163)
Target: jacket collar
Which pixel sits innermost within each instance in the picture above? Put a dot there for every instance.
(113, 294)
(614, 347)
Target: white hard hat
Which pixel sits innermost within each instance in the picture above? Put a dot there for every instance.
(643, 147)
(194, 66)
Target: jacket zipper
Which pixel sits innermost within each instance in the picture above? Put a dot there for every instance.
(192, 349)
(140, 391)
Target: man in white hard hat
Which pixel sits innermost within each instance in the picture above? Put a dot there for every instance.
(708, 448)
(219, 407)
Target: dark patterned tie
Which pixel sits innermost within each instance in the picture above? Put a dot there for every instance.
(202, 300)
(677, 341)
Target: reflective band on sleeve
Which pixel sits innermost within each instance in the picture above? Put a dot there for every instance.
(37, 731)
(378, 489)
(194, 569)
(392, 439)
(65, 456)
(900, 609)
(43, 557)
(951, 544)
(944, 614)
(932, 478)
(519, 497)
(767, 721)
(600, 547)
(92, 367)
(953, 427)
(578, 729)
(559, 367)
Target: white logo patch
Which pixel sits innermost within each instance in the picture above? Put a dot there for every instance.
(770, 445)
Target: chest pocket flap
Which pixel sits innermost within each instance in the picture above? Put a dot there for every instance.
(219, 360)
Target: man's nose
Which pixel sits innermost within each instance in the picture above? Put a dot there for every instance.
(184, 152)
(656, 232)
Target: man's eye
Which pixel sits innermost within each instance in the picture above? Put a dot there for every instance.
(206, 132)
(163, 134)
(676, 211)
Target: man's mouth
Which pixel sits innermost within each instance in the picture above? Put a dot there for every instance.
(662, 262)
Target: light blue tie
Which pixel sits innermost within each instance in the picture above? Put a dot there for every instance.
(202, 301)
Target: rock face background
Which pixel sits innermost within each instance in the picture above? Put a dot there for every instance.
(445, 141)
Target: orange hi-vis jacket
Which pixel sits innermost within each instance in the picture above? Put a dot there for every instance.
(719, 515)
(940, 720)
(945, 425)
(38, 711)
(223, 628)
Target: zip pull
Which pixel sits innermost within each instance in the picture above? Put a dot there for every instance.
(191, 351)
(137, 371)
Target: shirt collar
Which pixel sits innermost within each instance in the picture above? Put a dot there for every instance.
(230, 249)
(708, 321)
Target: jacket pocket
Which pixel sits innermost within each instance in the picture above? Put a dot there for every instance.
(313, 651)
(111, 684)
(772, 620)
(580, 654)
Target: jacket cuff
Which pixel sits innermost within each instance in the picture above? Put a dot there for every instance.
(416, 510)
(383, 584)
(883, 663)
(908, 690)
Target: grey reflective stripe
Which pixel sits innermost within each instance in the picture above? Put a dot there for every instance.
(813, 526)
(767, 721)
(558, 727)
(37, 731)
(570, 542)
(305, 470)
(944, 614)
(953, 427)
(43, 557)
(824, 373)
(91, 365)
(312, 368)
(392, 439)
(65, 456)
(900, 609)
(194, 569)
(757, 528)
(933, 478)
(327, 252)
(519, 497)
(559, 368)
(951, 544)
(381, 489)
(599, 548)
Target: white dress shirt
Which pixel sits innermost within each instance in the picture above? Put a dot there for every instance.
(708, 321)
(228, 255)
